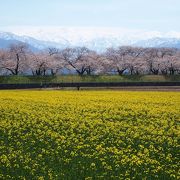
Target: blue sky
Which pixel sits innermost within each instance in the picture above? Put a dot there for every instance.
(160, 15)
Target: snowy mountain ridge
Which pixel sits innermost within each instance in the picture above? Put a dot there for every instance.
(95, 39)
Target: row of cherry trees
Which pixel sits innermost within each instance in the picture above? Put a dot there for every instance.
(18, 59)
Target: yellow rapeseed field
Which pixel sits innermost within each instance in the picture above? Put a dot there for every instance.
(89, 135)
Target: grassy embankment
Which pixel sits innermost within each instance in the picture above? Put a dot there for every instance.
(76, 78)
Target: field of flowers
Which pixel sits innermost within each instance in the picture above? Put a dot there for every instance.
(89, 135)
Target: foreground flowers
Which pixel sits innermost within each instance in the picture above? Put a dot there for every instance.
(89, 135)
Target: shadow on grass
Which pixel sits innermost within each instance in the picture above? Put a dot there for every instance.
(172, 78)
(133, 78)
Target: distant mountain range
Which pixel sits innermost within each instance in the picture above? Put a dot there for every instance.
(6, 39)
(159, 42)
(96, 43)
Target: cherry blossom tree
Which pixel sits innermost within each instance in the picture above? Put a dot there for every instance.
(15, 61)
(39, 63)
(56, 62)
(135, 60)
(18, 59)
(3, 57)
(77, 59)
(170, 64)
(154, 58)
(118, 58)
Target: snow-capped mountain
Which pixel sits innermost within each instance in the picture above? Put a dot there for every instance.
(93, 38)
(97, 43)
(7, 38)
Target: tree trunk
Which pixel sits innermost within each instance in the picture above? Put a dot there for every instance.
(120, 71)
(16, 70)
